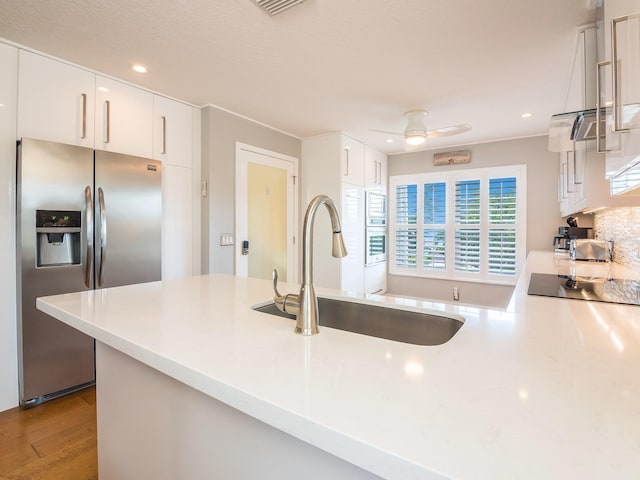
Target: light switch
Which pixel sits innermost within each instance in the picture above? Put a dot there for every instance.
(226, 239)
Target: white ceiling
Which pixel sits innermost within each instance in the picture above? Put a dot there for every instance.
(328, 65)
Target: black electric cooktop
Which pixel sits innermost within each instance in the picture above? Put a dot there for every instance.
(597, 289)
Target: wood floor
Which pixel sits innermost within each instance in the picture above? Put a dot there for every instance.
(54, 441)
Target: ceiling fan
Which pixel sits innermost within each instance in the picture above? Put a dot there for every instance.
(416, 132)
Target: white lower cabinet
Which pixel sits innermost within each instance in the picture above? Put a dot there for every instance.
(375, 278)
(177, 222)
(352, 218)
(124, 118)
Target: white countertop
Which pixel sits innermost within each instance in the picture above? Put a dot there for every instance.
(545, 389)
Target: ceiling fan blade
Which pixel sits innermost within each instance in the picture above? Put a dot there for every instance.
(387, 132)
(448, 131)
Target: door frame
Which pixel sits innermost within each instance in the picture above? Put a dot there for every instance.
(272, 159)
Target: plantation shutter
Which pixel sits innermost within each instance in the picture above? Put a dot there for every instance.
(502, 226)
(467, 231)
(434, 219)
(406, 233)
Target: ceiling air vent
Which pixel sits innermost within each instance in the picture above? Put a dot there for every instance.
(276, 6)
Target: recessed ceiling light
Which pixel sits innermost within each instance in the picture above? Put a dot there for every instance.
(527, 115)
(389, 140)
(139, 68)
(1, 105)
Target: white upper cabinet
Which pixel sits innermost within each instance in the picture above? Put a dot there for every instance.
(582, 186)
(623, 20)
(172, 132)
(622, 91)
(124, 118)
(582, 94)
(352, 165)
(375, 169)
(55, 101)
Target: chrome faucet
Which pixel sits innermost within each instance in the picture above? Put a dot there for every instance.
(304, 305)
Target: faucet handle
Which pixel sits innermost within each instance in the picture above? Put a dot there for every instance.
(286, 303)
(274, 276)
(277, 297)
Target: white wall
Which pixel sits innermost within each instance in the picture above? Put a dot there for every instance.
(8, 327)
(220, 132)
(543, 213)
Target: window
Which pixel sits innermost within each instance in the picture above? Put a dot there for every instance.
(467, 225)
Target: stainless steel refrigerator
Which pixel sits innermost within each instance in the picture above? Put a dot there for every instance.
(85, 219)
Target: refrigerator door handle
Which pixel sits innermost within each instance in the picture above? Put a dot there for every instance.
(103, 236)
(89, 219)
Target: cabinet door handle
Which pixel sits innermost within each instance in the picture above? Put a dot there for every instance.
(560, 197)
(84, 116)
(599, 66)
(346, 173)
(569, 181)
(617, 103)
(164, 135)
(107, 120)
(379, 173)
(575, 170)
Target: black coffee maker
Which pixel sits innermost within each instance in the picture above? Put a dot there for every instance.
(562, 241)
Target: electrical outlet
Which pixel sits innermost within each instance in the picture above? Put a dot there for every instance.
(456, 293)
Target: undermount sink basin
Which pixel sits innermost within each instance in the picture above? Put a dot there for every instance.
(380, 321)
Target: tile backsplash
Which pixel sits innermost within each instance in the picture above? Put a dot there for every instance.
(622, 225)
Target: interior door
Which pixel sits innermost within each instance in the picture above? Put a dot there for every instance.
(266, 209)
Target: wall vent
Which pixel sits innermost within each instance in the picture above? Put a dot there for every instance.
(274, 7)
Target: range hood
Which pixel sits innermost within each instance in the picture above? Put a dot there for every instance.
(567, 128)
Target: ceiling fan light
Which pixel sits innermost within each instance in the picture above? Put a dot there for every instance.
(415, 139)
(416, 131)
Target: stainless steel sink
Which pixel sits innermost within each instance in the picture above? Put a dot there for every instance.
(380, 321)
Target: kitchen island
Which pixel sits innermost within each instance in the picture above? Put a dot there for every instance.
(193, 383)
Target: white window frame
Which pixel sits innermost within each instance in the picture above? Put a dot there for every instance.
(450, 178)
